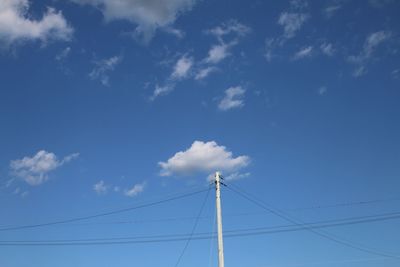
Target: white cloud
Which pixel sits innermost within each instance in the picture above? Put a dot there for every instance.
(231, 27)
(292, 22)
(34, 170)
(16, 26)
(396, 74)
(148, 15)
(102, 69)
(162, 90)
(8, 183)
(359, 71)
(331, 10)
(176, 32)
(203, 157)
(372, 42)
(303, 53)
(380, 3)
(135, 190)
(100, 188)
(69, 158)
(230, 177)
(322, 90)
(270, 44)
(298, 4)
(182, 68)
(236, 176)
(233, 98)
(63, 54)
(327, 49)
(228, 35)
(370, 45)
(217, 53)
(205, 72)
(17, 191)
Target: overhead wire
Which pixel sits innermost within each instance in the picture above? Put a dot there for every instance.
(193, 229)
(324, 263)
(297, 226)
(325, 235)
(203, 235)
(346, 204)
(174, 219)
(75, 219)
(70, 222)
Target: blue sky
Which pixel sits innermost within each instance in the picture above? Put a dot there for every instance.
(106, 105)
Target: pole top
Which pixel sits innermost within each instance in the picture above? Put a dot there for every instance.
(217, 176)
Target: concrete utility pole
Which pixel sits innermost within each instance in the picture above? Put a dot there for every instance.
(219, 220)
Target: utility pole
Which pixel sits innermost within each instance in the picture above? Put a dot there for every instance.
(219, 220)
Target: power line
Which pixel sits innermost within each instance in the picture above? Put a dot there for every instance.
(324, 263)
(193, 229)
(173, 219)
(347, 204)
(150, 204)
(205, 235)
(328, 236)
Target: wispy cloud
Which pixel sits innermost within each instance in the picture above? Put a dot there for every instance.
(228, 35)
(205, 72)
(100, 188)
(35, 170)
(203, 158)
(174, 31)
(233, 98)
(322, 90)
(19, 192)
(331, 10)
(180, 71)
(380, 3)
(231, 27)
(303, 53)
(270, 45)
(182, 68)
(236, 176)
(103, 68)
(162, 90)
(372, 42)
(396, 74)
(370, 45)
(292, 23)
(359, 71)
(135, 190)
(217, 53)
(327, 49)
(63, 54)
(298, 4)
